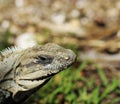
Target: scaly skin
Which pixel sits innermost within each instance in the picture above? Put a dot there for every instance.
(23, 72)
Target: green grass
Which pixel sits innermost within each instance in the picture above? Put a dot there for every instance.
(71, 87)
(4, 41)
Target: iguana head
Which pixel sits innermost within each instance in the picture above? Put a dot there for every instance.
(31, 68)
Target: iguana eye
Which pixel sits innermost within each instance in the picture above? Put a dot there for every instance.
(44, 59)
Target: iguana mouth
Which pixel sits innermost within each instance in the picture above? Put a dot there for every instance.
(40, 78)
(30, 83)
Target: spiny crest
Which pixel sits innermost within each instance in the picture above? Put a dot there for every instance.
(10, 50)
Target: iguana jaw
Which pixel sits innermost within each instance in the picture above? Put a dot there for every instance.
(34, 79)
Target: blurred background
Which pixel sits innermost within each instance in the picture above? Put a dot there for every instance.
(91, 28)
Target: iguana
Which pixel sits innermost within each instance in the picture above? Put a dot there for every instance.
(22, 72)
